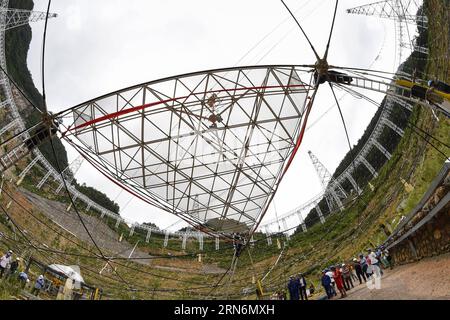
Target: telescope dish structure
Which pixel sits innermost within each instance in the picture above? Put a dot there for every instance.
(209, 147)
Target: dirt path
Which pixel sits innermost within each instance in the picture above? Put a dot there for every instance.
(426, 279)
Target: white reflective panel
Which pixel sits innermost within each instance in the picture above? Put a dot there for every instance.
(208, 145)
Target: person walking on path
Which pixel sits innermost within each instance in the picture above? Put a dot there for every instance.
(302, 286)
(388, 258)
(359, 272)
(5, 261)
(352, 271)
(364, 265)
(293, 287)
(374, 263)
(326, 284)
(337, 275)
(347, 276)
(378, 254)
(333, 284)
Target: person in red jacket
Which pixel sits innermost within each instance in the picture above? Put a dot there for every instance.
(337, 275)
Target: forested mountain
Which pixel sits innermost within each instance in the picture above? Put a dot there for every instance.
(17, 46)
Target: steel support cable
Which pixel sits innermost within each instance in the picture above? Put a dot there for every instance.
(410, 124)
(58, 167)
(331, 31)
(354, 201)
(294, 152)
(53, 147)
(285, 35)
(94, 255)
(221, 278)
(301, 29)
(333, 105)
(326, 258)
(312, 250)
(82, 247)
(271, 32)
(406, 26)
(137, 193)
(276, 216)
(363, 201)
(396, 46)
(93, 274)
(19, 134)
(230, 280)
(85, 256)
(342, 116)
(20, 89)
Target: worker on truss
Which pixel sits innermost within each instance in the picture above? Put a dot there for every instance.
(237, 244)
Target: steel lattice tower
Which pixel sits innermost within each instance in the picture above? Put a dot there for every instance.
(403, 13)
(334, 193)
(70, 171)
(19, 17)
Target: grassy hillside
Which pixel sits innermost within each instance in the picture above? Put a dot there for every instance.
(367, 220)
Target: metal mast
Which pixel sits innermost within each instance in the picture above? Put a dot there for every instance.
(19, 17)
(334, 193)
(403, 13)
(70, 171)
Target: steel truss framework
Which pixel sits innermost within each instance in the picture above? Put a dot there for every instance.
(334, 193)
(403, 12)
(18, 17)
(396, 98)
(361, 80)
(210, 146)
(212, 103)
(394, 10)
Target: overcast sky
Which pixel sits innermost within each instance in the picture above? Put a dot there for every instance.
(98, 46)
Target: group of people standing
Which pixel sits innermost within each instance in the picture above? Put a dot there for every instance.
(341, 276)
(9, 268)
(297, 287)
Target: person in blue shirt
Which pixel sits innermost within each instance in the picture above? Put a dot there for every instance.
(38, 286)
(23, 278)
(326, 283)
(364, 265)
(293, 287)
